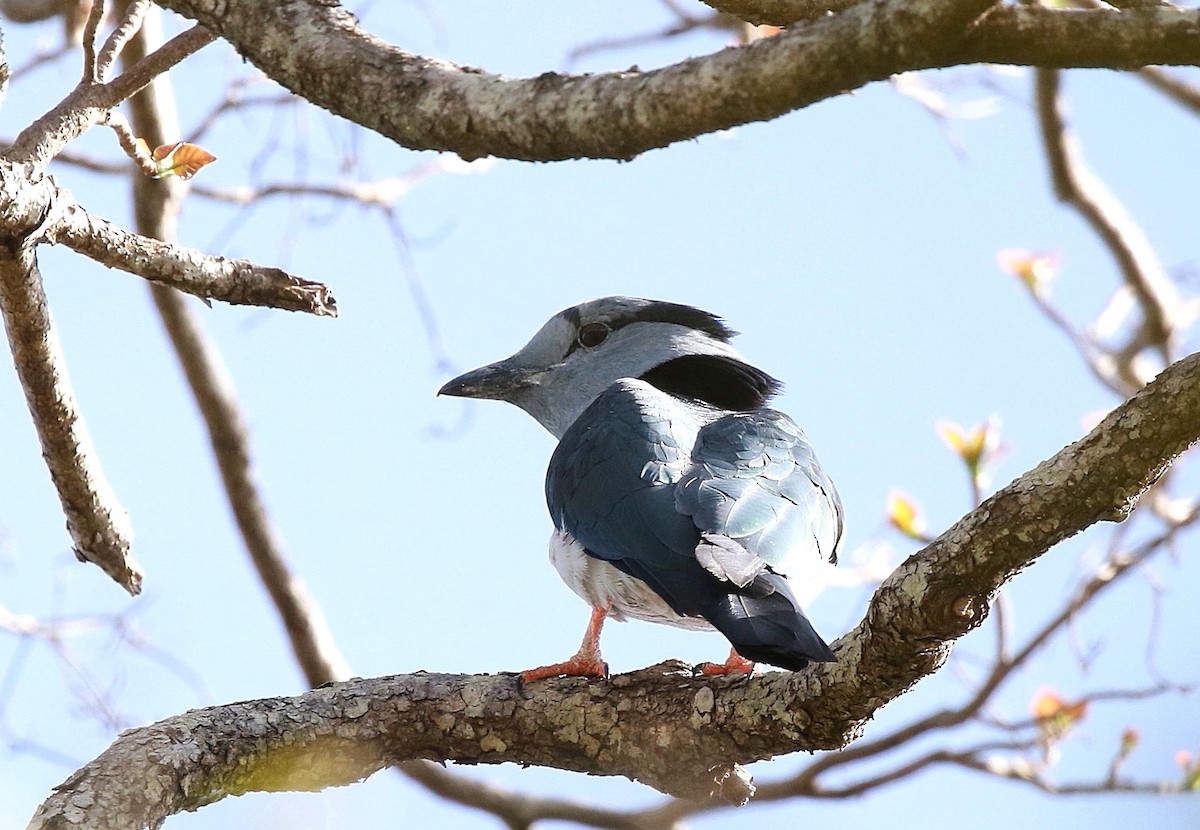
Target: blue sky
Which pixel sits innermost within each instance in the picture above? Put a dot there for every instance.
(851, 243)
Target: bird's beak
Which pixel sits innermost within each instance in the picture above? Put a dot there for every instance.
(500, 381)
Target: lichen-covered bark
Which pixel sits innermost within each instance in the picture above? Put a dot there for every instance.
(31, 201)
(662, 726)
(96, 521)
(778, 12)
(317, 51)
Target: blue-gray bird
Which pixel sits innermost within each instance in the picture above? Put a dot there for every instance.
(677, 495)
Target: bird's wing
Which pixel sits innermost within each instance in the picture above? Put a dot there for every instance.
(608, 483)
(704, 521)
(758, 496)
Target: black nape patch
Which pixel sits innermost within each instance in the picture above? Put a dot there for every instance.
(719, 381)
(684, 315)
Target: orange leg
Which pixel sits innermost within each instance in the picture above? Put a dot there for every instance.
(585, 663)
(735, 662)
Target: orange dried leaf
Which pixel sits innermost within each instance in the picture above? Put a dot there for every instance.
(164, 150)
(1054, 712)
(1046, 704)
(1076, 711)
(181, 159)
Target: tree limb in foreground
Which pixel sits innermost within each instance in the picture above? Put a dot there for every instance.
(96, 521)
(34, 208)
(318, 51)
(661, 725)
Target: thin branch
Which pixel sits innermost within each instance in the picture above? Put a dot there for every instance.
(1026, 775)
(1099, 696)
(175, 50)
(129, 144)
(233, 281)
(130, 22)
(1078, 186)
(903, 771)
(91, 29)
(88, 104)
(1098, 362)
(96, 521)
(43, 58)
(311, 640)
(5, 72)
(1118, 564)
(1174, 87)
(523, 811)
(686, 24)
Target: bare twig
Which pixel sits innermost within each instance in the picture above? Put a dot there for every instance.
(1174, 87)
(91, 28)
(130, 22)
(1075, 184)
(5, 72)
(43, 58)
(311, 640)
(129, 144)
(1108, 574)
(686, 24)
(1025, 774)
(1096, 359)
(88, 103)
(523, 811)
(135, 78)
(233, 281)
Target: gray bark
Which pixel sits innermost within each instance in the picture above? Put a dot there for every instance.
(663, 726)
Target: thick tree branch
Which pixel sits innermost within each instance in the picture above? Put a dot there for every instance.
(96, 521)
(424, 103)
(779, 12)
(661, 725)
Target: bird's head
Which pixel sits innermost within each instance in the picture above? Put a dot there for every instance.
(583, 350)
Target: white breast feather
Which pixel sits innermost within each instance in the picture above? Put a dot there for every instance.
(603, 586)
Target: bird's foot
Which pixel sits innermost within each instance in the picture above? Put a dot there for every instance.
(581, 665)
(734, 663)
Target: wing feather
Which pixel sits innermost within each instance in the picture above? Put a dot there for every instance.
(706, 509)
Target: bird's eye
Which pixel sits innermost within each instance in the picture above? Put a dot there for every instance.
(593, 334)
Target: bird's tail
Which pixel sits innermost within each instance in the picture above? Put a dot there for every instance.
(765, 623)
